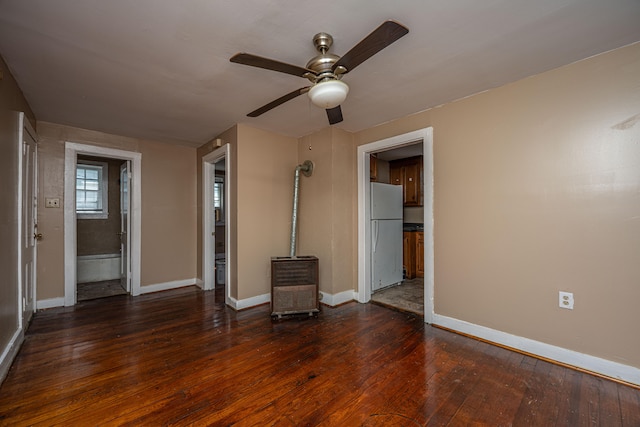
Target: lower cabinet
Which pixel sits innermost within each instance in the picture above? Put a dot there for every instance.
(408, 254)
(413, 253)
(420, 254)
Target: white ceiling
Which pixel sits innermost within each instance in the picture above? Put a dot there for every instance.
(160, 69)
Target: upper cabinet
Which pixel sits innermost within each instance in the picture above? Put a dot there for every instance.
(408, 173)
(373, 167)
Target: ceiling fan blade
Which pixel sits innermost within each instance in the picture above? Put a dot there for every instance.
(334, 114)
(270, 64)
(279, 101)
(381, 37)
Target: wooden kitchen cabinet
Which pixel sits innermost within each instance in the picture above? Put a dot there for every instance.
(419, 254)
(408, 253)
(373, 167)
(408, 173)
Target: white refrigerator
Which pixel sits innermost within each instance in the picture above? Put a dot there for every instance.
(386, 235)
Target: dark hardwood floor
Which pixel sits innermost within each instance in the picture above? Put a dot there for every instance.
(181, 358)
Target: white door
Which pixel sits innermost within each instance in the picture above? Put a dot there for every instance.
(29, 230)
(125, 226)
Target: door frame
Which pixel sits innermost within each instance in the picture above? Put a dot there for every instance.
(72, 149)
(208, 214)
(364, 151)
(25, 126)
(125, 229)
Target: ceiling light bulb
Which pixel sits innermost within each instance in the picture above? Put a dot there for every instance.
(328, 94)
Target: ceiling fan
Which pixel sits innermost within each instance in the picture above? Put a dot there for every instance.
(325, 70)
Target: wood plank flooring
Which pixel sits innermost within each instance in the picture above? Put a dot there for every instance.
(181, 358)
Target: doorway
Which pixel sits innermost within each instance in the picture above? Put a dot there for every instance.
(216, 222)
(102, 255)
(364, 215)
(129, 269)
(401, 168)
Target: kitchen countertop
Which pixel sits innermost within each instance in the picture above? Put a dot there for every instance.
(412, 226)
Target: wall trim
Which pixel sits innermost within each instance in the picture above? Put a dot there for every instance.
(10, 352)
(208, 250)
(50, 303)
(587, 362)
(165, 286)
(339, 298)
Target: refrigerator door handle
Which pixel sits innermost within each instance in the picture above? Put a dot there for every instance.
(375, 235)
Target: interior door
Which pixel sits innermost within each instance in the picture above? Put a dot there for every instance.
(29, 222)
(125, 226)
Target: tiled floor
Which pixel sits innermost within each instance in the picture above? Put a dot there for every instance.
(408, 296)
(94, 290)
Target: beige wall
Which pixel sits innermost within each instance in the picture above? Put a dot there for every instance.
(11, 102)
(168, 242)
(327, 210)
(264, 168)
(536, 191)
(168, 213)
(261, 176)
(262, 172)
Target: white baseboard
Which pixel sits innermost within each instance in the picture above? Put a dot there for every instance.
(9, 353)
(337, 299)
(49, 303)
(157, 287)
(594, 364)
(200, 283)
(328, 299)
(249, 302)
(59, 302)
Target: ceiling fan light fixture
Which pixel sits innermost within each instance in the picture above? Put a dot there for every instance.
(328, 94)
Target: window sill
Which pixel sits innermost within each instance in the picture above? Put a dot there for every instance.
(92, 215)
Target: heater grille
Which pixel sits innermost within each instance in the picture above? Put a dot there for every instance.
(294, 285)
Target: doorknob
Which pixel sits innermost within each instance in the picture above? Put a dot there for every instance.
(37, 236)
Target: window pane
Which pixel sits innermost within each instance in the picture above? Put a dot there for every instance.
(91, 189)
(91, 185)
(92, 174)
(91, 196)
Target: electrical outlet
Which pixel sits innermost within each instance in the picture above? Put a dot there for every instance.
(565, 300)
(52, 202)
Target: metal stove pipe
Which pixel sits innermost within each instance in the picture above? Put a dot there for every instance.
(307, 169)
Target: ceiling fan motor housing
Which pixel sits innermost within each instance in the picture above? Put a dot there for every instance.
(323, 63)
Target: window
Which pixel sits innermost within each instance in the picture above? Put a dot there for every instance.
(218, 198)
(91, 190)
